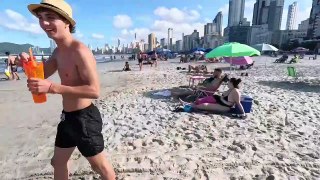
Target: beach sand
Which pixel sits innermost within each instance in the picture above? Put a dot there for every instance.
(145, 140)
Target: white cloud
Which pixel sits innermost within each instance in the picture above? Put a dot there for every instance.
(199, 6)
(78, 34)
(97, 36)
(176, 15)
(122, 21)
(181, 20)
(14, 21)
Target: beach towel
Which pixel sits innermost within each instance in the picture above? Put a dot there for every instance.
(165, 93)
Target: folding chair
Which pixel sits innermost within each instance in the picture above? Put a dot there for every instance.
(292, 72)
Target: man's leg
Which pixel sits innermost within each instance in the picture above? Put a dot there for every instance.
(100, 164)
(59, 162)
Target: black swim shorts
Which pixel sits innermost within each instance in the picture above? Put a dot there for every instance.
(81, 128)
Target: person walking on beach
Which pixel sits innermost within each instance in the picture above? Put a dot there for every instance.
(140, 60)
(81, 122)
(154, 57)
(11, 63)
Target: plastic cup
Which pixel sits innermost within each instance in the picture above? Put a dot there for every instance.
(35, 70)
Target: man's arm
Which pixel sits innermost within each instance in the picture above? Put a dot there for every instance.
(50, 66)
(87, 70)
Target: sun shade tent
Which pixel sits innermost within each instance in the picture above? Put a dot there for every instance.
(265, 47)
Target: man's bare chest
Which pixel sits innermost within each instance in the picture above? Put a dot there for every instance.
(68, 70)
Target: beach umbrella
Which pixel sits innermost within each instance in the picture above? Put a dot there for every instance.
(241, 61)
(265, 47)
(208, 50)
(300, 49)
(198, 52)
(232, 50)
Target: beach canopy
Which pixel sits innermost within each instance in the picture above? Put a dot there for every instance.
(241, 61)
(208, 50)
(198, 52)
(300, 49)
(233, 50)
(265, 47)
(197, 49)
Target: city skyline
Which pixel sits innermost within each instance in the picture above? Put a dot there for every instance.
(21, 27)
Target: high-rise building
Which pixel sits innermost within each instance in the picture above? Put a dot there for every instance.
(53, 45)
(215, 27)
(304, 25)
(268, 12)
(236, 12)
(170, 35)
(152, 41)
(314, 21)
(162, 42)
(291, 19)
(172, 42)
(179, 46)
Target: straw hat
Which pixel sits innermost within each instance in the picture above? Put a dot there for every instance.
(59, 6)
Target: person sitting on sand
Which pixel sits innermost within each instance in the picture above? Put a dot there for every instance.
(221, 103)
(198, 69)
(210, 84)
(294, 59)
(126, 67)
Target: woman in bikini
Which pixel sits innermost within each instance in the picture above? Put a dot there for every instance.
(222, 103)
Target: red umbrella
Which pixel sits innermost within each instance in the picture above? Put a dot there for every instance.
(244, 60)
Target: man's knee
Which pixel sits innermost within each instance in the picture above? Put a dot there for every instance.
(104, 170)
(58, 163)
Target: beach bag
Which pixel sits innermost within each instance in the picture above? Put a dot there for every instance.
(7, 71)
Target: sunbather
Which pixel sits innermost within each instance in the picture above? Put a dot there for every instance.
(126, 67)
(221, 103)
(294, 59)
(198, 69)
(210, 84)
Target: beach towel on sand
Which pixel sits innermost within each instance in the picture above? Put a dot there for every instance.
(165, 93)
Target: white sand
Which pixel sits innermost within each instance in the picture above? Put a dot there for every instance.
(146, 140)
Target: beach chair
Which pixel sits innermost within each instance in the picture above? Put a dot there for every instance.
(292, 72)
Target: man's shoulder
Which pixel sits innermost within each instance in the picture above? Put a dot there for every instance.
(79, 46)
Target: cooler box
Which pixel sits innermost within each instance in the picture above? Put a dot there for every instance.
(246, 102)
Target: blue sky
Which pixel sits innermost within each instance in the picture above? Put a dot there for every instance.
(100, 21)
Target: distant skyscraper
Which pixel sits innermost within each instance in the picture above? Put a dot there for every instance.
(268, 12)
(236, 12)
(170, 35)
(215, 27)
(291, 19)
(304, 25)
(314, 21)
(162, 42)
(152, 41)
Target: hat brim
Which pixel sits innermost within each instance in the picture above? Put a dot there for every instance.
(33, 7)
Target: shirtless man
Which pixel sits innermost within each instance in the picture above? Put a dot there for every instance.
(81, 123)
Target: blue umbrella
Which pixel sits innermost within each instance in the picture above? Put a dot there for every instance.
(208, 50)
(197, 49)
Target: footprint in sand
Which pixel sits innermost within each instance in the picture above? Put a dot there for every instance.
(161, 143)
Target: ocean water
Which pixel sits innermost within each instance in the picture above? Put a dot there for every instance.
(99, 59)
